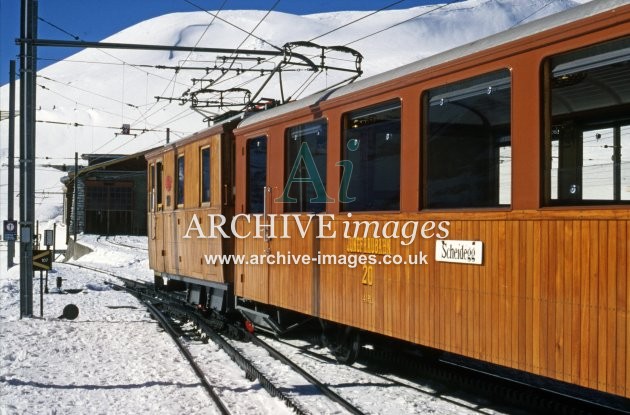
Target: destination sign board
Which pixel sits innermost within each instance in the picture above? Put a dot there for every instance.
(460, 252)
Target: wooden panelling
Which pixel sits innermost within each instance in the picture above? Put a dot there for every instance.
(550, 298)
(281, 277)
(180, 240)
(251, 280)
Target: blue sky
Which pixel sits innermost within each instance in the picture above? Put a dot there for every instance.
(96, 19)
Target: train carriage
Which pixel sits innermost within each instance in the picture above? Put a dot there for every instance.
(475, 202)
(189, 180)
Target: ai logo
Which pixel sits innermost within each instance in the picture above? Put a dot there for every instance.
(305, 157)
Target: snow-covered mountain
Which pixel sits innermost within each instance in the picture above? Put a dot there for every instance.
(84, 100)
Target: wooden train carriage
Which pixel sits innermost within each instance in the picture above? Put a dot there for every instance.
(191, 183)
(506, 154)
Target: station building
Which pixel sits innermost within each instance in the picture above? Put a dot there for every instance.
(110, 195)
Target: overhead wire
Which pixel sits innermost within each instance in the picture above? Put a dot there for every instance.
(104, 52)
(172, 80)
(358, 20)
(52, 91)
(118, 101)
(232, 24)
(532, 14)
(249, 34)
(174, 77)
(134, 65)
(441, 6)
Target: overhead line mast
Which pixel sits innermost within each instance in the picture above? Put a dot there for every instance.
(28, 94)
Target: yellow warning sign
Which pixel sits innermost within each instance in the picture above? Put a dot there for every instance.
(42, 260)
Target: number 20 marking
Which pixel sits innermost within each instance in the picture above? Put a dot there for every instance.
(368, 275)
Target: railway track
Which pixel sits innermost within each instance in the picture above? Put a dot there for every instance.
(174, 334)
(185, 312)
(482, 392)
(468, 387)
(159, 309)
(113, 241)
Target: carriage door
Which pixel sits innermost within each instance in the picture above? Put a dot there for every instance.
(252, 280)
(156, 220)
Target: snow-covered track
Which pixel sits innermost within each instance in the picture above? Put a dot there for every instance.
(325, 389)
(169, 327)
(112, 240)
(186, 312)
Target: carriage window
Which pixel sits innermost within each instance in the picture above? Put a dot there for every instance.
(180, 180)
(256, 174)
(371, 153)
(588, 95)
(158, 187)
(205, 174)
(152, 187)
(467, 145)
(305, 169)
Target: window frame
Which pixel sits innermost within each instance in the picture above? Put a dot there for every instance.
(578, 62)
(180, 183)
(248, 190)
(159, 187)
(465, 92)
(288, 207)
(203, 202)
(346, 117)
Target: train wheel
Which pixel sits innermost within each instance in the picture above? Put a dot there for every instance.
(343, 342)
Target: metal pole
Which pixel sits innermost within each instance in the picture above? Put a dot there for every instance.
(54, 239)
(24, 273)
(28, 69)
(41, 293)
(11, 184)
(74, 199)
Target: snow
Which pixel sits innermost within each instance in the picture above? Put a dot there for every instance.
(114, 358)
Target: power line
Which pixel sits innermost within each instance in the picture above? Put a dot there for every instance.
(358, 20)
(402, 22)
(174, 77)
(75, 37)
(75, 101)
(249, 34)
(89, 92)
(232, 24)
(535, 12)
(172, 80)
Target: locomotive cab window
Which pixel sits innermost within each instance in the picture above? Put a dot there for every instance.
(256, 174)
(467, 145)
(204, 154)
(371, 159)
(305, 168)
(180, 181)
(588, 129)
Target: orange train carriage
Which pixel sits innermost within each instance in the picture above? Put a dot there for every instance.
(493, 178)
